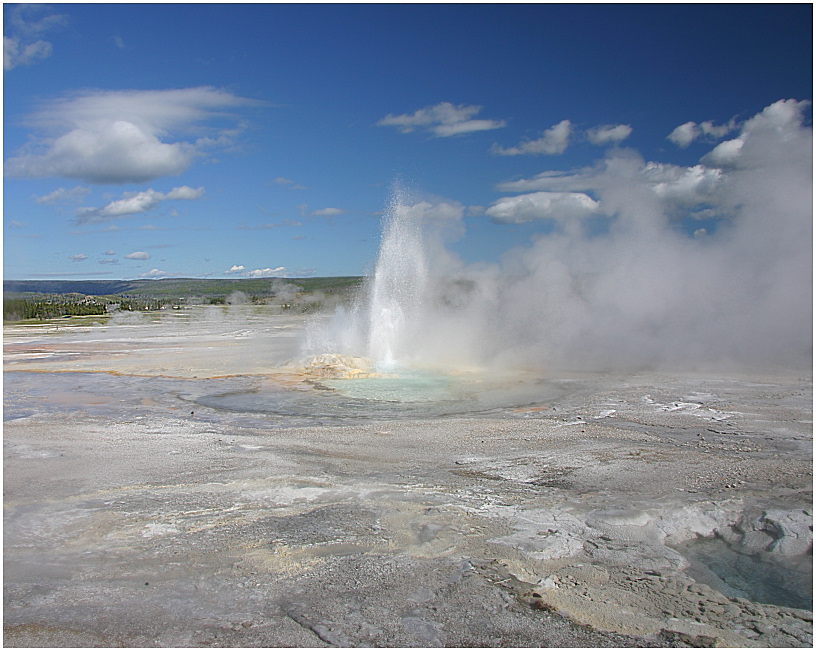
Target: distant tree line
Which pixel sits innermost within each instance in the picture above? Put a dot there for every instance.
(139, 304)
(20, 309)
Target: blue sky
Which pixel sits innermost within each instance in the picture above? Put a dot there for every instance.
(210, 140)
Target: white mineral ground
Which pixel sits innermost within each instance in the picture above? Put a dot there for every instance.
(136, 516)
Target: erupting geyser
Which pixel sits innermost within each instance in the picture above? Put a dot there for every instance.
(398, 287)
(384, 325)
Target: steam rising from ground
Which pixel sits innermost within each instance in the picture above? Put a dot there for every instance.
(639, 264)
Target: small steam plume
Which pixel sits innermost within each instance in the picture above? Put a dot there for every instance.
(642, 265)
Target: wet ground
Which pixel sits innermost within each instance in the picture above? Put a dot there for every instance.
(176, 481)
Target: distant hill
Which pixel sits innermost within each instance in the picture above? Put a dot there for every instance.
(182, 287)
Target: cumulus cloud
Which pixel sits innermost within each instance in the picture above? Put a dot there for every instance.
(79, 257)
(684, 135)
(184, 193)
(23, 45)
(542, 205)
(442, 120)
(138, 255)
(553, 141)
(127, 136)
(688, 132)
(672, 186)
(134, 203)
(683, 185)
(267, 273)
(154, 273)
(779, 122)
(726, 153)
(608, 134)
(240, 270)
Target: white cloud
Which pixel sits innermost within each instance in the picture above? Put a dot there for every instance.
(684, 135)
(79, 257)
(185, 193)
(15, 53)
(553, 141)
(61, 195)
(687, 133)
(442, 120)
(154, 273)
(240, 270)
(138, 255)
(542, 205)
(127, 136)
(779, 122)
(683, 185)
(671, 185)
(716, 132)
(726, 153)
(22, 46)
(327, 212)
(110, 252)
(21, 20)
(267, 273)
(785, 117)
(134, 203)
(608, 134)
(118, 42)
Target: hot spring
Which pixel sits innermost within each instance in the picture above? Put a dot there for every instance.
(376, 350)
(399, 350)
(763, 577)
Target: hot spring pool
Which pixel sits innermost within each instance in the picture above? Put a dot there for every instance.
(406, 388)
(412, 394)
(765, 578)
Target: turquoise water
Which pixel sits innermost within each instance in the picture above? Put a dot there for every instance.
(412, 387)
(765, 578)
(411, 394)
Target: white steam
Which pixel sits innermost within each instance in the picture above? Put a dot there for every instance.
(644, 265)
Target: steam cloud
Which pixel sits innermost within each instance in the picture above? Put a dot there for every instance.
(645, 265)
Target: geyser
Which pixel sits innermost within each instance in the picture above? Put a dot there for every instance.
(398, 288)
(662, 267)
(385, 326)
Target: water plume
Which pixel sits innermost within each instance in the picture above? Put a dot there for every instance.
(663, 267)
(399, 286)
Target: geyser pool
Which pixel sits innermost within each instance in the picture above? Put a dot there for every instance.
(766, 578)
(410, 386)
(414, 393)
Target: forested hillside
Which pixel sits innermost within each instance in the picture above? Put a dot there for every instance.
(47, 299)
